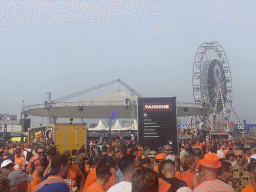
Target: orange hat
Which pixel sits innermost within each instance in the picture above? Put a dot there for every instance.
(211, 160)
(25, 144)
(161, 156)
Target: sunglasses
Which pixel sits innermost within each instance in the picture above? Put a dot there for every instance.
(231, 154)
(238, 156)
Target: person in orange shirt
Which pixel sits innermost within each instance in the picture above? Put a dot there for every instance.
(160, 157)
(252, 186)
(188, 164)
(38, 167)
(103, 175)
(75, 174)
(40, 151)
(140, 150)
(92, 177)
(20, 162)
(197, 153)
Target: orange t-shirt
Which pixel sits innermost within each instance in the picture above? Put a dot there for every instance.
(30, 161)
(140, 151)
(20, 161)
(74, 172)
(91, 178)
(188, 178)
(249, 188)
(95, 187)
(155, 169)
(32, 184)
(163, 185)
(87, 167)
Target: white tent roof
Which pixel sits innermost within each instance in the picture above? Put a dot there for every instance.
(100, 127)
(117, 126)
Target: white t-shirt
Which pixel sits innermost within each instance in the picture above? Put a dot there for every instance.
(220, 154)
(123, 186)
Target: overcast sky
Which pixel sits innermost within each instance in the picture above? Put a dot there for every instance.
(68, 46)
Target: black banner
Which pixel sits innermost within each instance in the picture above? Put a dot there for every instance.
(157, 122)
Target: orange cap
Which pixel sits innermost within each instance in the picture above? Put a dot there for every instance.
(211, 160)
(161, 156)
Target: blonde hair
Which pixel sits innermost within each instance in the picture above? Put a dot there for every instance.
(186, 161)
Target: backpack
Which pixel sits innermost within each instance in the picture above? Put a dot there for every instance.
(29, 155)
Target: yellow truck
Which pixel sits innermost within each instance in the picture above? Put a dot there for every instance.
(65, 136)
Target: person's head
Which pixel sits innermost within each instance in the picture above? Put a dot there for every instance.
(96, 150)
(40, 151)
(230, 155)
(134, 151)
(197, 152)
(74, 153)
(7, 167)
(188, 162)
(146, 162)
(168, 169)
(252, 171)
(120, 151)
(248, 151)
(146, 148)
(145, 180)
(100, 160)
(51, 143)
(211, 164)
(186, 145)
(218, 146)
(128, 165)
(167, 150)
(50, 153)
(38, 166)
(160, 157)
(208, 144)
(226, 171)
(214, 149)
(103, 172)
(18, 152)
(111, 150)
(60, 166)
(5, 184)
(68, 155)
(82, 153)
(19, 180)
(240, 156)
(152, 155)
(105, 149)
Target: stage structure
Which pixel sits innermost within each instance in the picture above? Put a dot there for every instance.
(112, 106)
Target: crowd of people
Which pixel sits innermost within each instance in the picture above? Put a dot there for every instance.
(126, 166)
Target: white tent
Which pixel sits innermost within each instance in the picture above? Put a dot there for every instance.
(99, 127)
(117, 126)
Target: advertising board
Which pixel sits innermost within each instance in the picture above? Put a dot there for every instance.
(157, 122)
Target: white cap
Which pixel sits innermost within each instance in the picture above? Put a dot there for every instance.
(253, 156)
(6, 163)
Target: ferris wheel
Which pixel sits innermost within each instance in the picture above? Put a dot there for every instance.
(211, 79)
